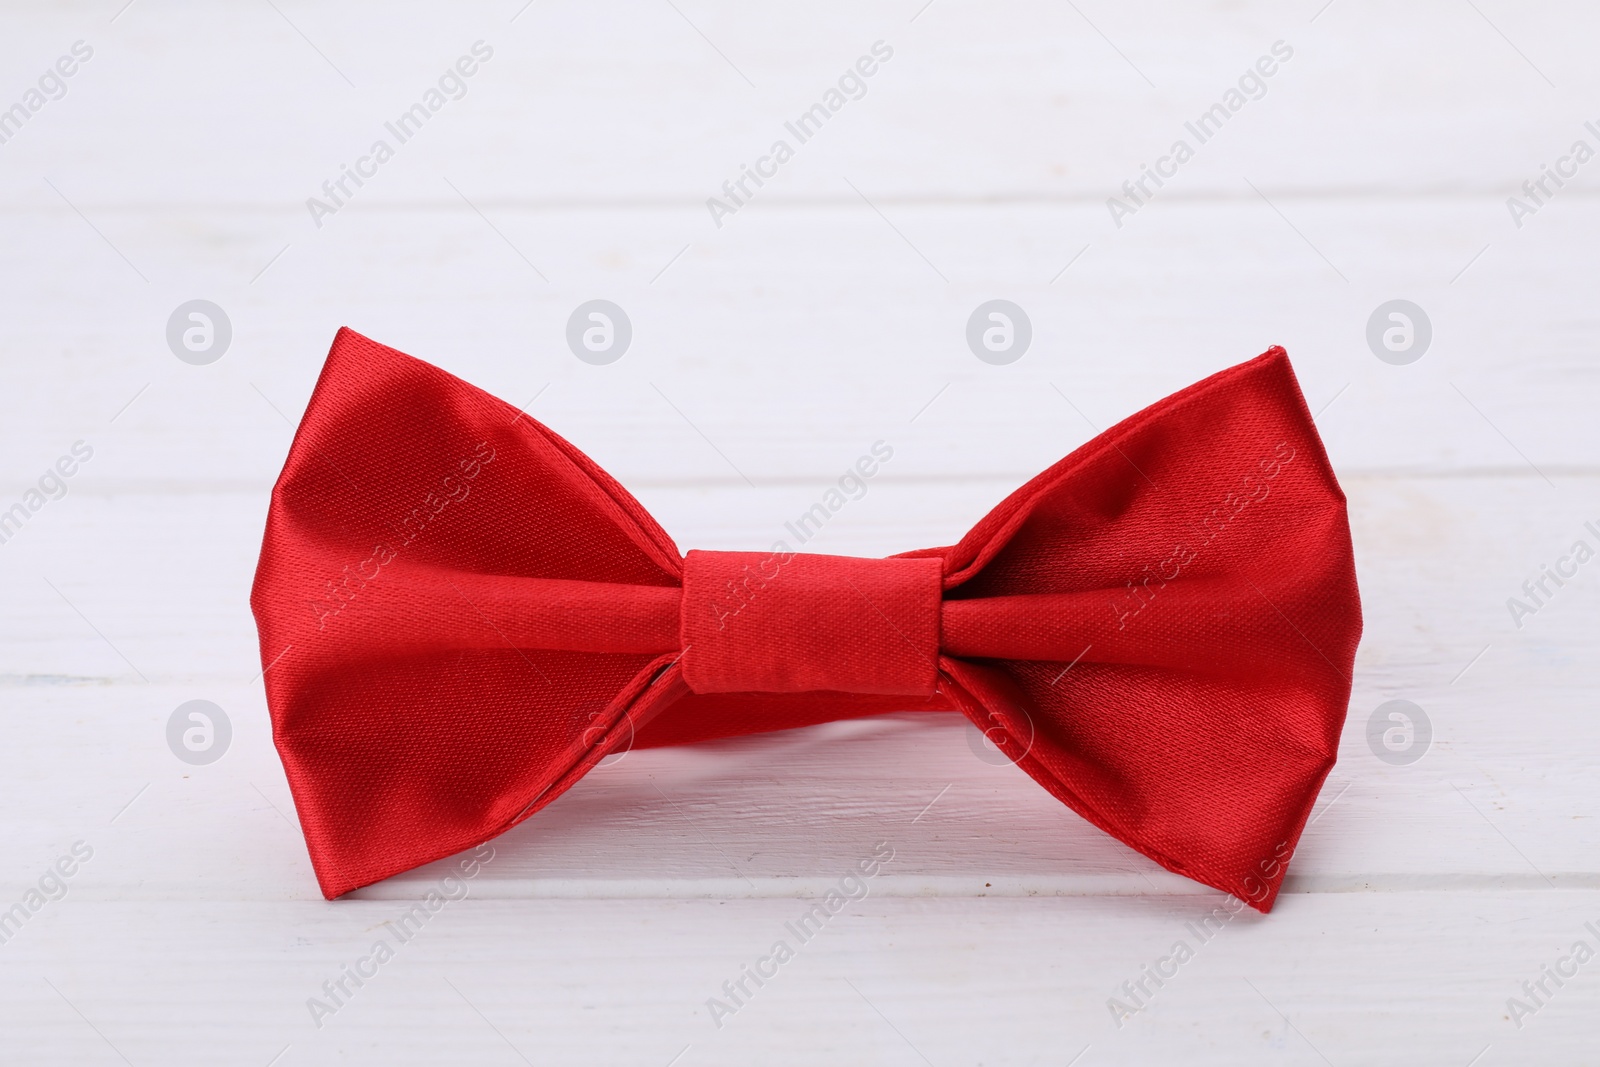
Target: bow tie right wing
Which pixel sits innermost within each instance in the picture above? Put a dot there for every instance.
(1160, 629)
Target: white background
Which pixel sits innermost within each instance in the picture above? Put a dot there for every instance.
(768, 354)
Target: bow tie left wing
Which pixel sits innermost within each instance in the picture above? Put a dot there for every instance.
(411, 719)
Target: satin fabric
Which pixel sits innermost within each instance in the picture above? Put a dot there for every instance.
(460, 614)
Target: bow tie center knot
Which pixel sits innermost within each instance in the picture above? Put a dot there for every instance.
(790, 622)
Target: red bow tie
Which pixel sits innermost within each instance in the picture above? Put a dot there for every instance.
(460, 614)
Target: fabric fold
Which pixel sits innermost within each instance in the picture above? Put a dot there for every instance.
(460, 614)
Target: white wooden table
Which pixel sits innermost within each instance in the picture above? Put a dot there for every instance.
(826, 313)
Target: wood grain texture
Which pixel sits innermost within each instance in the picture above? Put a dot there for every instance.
(768, 353)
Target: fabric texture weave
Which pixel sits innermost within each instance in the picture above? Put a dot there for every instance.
(460, 614)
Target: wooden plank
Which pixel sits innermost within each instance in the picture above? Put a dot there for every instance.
(1350, 978)
(645, 104)
(847, 338)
